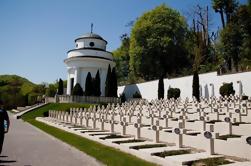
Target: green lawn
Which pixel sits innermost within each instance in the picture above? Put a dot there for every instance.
(104, 154)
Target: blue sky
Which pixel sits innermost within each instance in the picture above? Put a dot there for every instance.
(35, 35)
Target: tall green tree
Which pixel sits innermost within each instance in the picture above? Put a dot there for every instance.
(121, 58)
(96, 83)
(89, 85)
(161, 89)
(60, 87)
(51, 90)
(114, 84)
(77, 90)
(108, 82)
(226, 9)
(157, 44)
(196, 85)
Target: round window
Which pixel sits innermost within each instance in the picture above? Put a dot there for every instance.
(91, 44)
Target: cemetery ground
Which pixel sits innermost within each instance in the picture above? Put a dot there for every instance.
(104, 154)
(167, 132)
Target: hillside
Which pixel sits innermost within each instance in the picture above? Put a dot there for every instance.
(15, 91)
(25, 85)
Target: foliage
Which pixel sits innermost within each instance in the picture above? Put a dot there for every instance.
(14, 91)
(227, 89)
(60, 87)
(123, 97)
(51, 90)
(89, 90)
(108, 82)
(101, 152)
(121, 58)
(172, 153)
(161, 89)
(137, 95)
(157, 44)
(77, 90)
(173, 93)
(96, 85)
(210, 162)
(196, 85)
(114, 84)
(147, 146)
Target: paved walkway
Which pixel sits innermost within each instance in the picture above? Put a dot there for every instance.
(26, 145)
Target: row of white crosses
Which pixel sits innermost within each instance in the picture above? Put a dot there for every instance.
(155, 111)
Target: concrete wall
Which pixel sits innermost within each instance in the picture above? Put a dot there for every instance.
(149, 90)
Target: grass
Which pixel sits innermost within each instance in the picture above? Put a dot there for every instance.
(113, 136)
(105, 154)
(213, 121)
(225, 137)
(210, 162)
(171, 153)
(147, 146)
(128, 141)
(55, 106)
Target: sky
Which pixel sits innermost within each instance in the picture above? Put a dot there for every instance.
(35, 35)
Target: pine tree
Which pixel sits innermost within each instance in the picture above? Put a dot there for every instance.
(114, 84)
(96, 84)
(60, 87)
(161, 90)
(108, 82)
(88, 85)
(77, 90)
(196, 85)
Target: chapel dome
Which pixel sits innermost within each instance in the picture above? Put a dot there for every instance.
(91, 35)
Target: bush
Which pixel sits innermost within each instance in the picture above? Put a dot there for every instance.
(227, 89)
(137, 95)
(244, 98)
(123, 97)
(173, 93)
(77, 90)
(46, 114)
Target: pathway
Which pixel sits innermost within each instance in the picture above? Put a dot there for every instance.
(26, 145)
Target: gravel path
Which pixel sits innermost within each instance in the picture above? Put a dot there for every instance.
(26, 145)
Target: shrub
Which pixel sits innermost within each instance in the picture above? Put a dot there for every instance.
(227, 89)
(123, 97)
(77, 90)
(136, 95)
(173, 93)
(244, 98)
(46, 114)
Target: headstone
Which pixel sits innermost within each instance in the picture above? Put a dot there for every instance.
(157, 128)
(124, 124)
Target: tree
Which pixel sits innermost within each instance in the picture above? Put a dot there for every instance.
(114, 84)
(226, 8)
(77, 90)
(218, 6)
(196, 85)
(89, 91)
(157, 44)
(96, 84)
(51, 90)
(121, 58)
(108, 82)
(60, 87)
(161, 89)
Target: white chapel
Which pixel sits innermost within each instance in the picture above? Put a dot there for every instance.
(89, 55)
